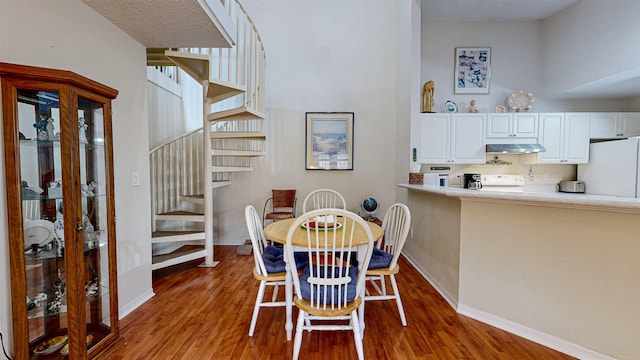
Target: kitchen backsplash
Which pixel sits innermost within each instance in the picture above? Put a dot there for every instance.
(538, 177)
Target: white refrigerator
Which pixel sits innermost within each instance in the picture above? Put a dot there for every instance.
(613, 168)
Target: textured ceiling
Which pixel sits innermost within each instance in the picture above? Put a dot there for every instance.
(170, 23)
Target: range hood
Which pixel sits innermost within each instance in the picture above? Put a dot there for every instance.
(514, 148)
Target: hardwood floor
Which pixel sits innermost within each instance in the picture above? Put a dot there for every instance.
(204, 313)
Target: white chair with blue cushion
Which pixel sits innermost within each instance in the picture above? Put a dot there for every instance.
(331, 286)
(269, 264)
(384, 261)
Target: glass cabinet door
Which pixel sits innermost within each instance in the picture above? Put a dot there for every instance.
(95, 226)
(41, 197)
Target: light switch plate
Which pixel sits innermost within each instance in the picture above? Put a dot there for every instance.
(135, 178)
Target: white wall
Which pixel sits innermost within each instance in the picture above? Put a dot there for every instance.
(588, 41)
(409, 87)
(69, 35)
(168, 117)
(321, 56)
(516, 64)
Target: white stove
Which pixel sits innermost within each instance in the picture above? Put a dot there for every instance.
(505, 183)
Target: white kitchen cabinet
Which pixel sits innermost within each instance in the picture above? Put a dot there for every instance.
(630, 124)
(565, 137)
(451, 138)
(607, 125)
(512, 125)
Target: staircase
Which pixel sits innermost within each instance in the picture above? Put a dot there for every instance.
(187, 170)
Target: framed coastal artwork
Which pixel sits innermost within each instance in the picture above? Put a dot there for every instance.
(329, 141)
(472, 73)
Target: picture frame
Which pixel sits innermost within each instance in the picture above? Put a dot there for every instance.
(472, 74)
(329, 140)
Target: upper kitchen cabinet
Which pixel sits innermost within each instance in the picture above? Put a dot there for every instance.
(512, 125)
(565, 137)
(61, 213)
(607, 125)
(451, 138)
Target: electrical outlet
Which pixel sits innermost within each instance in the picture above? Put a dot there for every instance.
(411, 231)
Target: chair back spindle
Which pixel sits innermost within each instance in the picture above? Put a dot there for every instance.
(323, 199)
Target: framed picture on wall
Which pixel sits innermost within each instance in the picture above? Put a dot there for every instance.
(472, 72)
(329, 141)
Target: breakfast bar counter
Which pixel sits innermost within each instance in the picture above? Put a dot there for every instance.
(557, 268)
(551, 199)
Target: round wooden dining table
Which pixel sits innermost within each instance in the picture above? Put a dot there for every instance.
(277, 232)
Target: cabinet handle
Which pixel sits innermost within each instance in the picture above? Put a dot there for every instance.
(80, 226)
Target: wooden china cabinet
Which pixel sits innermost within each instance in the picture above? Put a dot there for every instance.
(61, 216)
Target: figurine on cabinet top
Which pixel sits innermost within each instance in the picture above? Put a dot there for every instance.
(427, 96)
(472, 107)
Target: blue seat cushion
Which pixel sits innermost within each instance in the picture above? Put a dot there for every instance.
(337, 291)
(380, 259)
(273, 258)
(302, 259)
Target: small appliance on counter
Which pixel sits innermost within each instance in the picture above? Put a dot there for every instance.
(570, 186)
(434, 179)
(472, 181)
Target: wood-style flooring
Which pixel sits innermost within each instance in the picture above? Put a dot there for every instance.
(204, 313)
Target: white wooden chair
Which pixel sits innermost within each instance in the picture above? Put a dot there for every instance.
(271, 273)
(384, 261)
(322, 199)
(332, 285)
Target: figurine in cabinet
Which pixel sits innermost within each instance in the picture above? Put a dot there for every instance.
(50, 129)
(41, 128)
(82, 128)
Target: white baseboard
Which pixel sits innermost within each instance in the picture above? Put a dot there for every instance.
(534, 335)
(229, 242)
(127, 309)
(444, 293)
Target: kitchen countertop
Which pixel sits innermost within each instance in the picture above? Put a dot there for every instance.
(549, 199)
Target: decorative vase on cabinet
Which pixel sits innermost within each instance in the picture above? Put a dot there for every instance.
(56, 187)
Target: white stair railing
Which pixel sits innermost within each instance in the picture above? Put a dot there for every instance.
(243, 64)
(176, 170)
